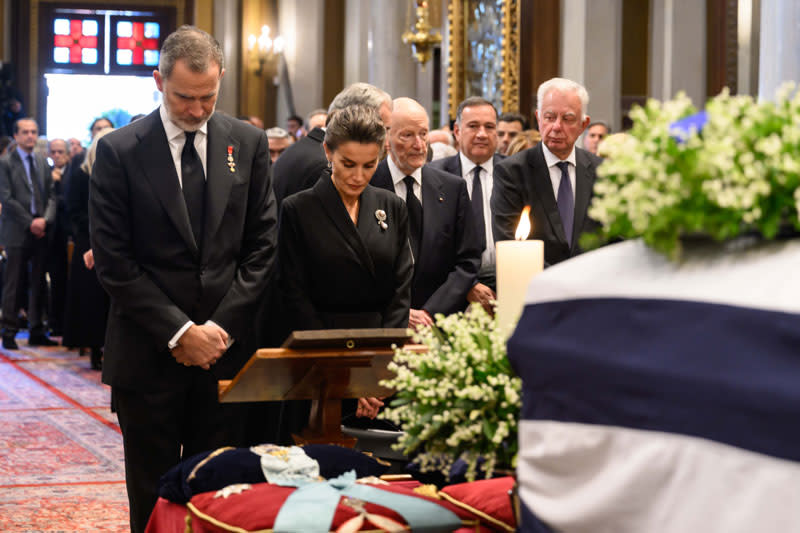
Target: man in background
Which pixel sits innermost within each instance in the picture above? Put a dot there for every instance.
(316, 119)
(476, 131)
(29, 207)
(595, 132)
(294, 125)
(279, 141)
(58, 237)
(509, 125)
(554, 178)
(446, 247)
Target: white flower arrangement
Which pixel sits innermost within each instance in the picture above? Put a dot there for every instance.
(460, 399)
(739, 174)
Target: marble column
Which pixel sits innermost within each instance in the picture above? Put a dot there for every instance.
(228, 33)
(779, 54)
(375, 53)
(300, 22)
(677, 49)
(591, 53)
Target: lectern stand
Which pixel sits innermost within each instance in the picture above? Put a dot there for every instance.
(324, 366)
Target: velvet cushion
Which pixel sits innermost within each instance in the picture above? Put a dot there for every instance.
(487, 500)
(256, 508)
(229, 466)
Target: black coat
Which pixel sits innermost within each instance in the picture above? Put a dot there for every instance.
(300, 166)
(524, 179)
(336, 274)
(87, 303)
(450, 249)
(146, 256)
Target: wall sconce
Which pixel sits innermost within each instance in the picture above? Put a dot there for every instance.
(422, 39)
(264, 50)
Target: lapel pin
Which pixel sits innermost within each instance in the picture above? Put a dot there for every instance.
(231, 162)
(380, 214)
(441, 199)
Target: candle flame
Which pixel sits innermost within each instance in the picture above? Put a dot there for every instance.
(524, 226)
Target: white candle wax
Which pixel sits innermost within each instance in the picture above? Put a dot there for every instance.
(517, 263)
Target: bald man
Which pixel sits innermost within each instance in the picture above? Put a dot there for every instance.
(442, 233)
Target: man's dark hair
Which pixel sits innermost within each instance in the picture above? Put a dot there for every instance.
(296, 118)
(473, 101)
(194, 46)
(16, 123)
(599, 123)
(514, 117)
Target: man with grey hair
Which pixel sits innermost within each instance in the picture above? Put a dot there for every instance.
(279, 140)
(183, 231)
(554, 178)
(316, 119)
(301, 165)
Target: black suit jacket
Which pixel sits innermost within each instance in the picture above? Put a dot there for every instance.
(336, 274)
(524, 179)
(300, 166)
(15, 197)
(148, 261)
(450, 251)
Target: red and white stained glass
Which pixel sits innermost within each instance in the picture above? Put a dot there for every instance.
(75, 41)
(135, 44)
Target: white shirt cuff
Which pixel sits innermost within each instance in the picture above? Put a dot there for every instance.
(173, 342)
(231, 340)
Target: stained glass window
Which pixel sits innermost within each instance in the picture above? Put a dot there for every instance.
(136, 43)
(75, 41)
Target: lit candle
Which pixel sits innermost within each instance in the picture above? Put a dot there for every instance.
(517, 262)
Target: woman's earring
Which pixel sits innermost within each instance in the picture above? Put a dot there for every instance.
(330, 165)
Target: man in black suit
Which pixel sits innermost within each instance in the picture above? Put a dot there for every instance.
(554, 178)
(442, 232)
(301, 165)
(58, 237)
(29, 209)
(183, 233)
(476, 131)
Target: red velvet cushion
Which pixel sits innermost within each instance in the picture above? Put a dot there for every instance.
(256, 509)
(487, 500)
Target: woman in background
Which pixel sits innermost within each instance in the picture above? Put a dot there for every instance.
(87, 302)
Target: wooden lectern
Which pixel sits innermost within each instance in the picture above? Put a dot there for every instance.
(324, 366)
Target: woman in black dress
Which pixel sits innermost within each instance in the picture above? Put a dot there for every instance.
(344, 256)
(87, 302)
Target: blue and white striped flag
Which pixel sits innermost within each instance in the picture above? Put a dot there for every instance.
(659, 396)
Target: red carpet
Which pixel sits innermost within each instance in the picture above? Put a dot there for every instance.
(61, 466)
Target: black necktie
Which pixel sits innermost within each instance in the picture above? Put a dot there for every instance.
(565, 200)
(414, 216)
(477, 201)
(36, 199)
(194, 186)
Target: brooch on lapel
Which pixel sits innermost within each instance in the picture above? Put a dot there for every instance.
(231, 162)
(380, 214)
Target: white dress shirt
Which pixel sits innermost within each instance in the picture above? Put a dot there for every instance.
(176, 138)
(486, 177)
(400, 186)
(552, 161)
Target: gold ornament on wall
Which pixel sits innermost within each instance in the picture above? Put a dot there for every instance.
(483, 52)
(422, 39)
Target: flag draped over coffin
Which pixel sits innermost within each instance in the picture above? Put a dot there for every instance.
(659, 396)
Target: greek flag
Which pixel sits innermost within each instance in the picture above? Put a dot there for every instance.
(660, 396)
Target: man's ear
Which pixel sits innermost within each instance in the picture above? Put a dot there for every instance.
(159, 80)
(221, 73)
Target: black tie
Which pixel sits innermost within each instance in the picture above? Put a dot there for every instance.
(194, 186)
(565, 200)
(36, 203)
(477, 201)
(414, 216)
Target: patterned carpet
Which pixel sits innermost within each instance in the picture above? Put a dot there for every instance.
(61, 466)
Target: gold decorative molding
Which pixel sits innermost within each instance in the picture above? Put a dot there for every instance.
(456, 72)
(458, 48)
(511, 56)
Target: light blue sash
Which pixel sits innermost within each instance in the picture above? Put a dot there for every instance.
(310, 509)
